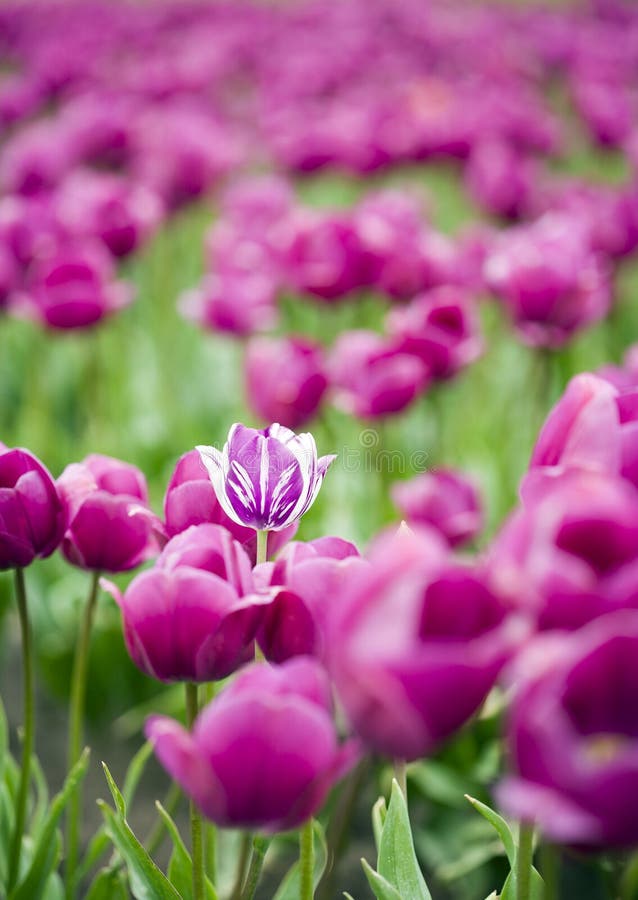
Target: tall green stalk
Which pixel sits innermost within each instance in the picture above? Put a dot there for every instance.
(306, 861)
(197, 847)
(28, 725)
(524, 860)
(76, 732)
(262, 546)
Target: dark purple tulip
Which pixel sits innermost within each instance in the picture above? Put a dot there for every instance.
(238, 303)
(571, 552)
(572, 732)
(120, 213)
(608, 108)
(213, 549)
(441, 328)
(302, 582)
(549, 280)
(187, 624)
(71, 288)
(29, 228)
(624, 377)
(372, 377)
(416, 643)
(31, 512)
(267, 479)
(443, 499)
(500, 179)
(190, 500)
(109, 525)
(34, 159)
(285, 379)
(264, 754)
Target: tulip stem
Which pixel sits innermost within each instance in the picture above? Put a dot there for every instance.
(76, 730)
(244, 855)
(524, 859)
(262, 546)
(197, 847)
(207, 695)
(306, 861)
(260, 846)
(29, 728)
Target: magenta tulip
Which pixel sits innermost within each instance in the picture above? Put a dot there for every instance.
(443, 499)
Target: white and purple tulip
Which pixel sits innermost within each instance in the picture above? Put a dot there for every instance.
(265, 479)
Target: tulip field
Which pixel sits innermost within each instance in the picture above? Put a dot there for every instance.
(318, 450)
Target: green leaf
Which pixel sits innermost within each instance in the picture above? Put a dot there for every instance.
(289, 887)
(118, 799)
(4, 739)
(41, 794)
(107, 885)
(348, 896)
(472, 859)
(7, 817)
(379, 812)
(382, 889)
(49, 845)
(397, 861)
(148, 882)
(439, 783)
(180, 867)
(54, 889)
(499, 824)
(537, 886)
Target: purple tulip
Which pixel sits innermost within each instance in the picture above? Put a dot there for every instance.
(109, 526)
(29, 228)
(35, 159)
(183, 623)
(572, 736)
(609, 110)
(264, 754)
(213, 549)
(571, 552)
(31, 512)
(266, 479)
(443, 499)
(238, 304)
(501, 180)
(549, 280)
(372, 377)
(71, 288)
(285, 379)
(441, 328)
(302, 583)
(416, 643)
(191, 500)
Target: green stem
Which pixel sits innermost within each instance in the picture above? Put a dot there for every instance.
(29, 728)
(197, 847)
(244, 855)
(524, 861)
(262, 546)
(207, 695)
(550, 868)
(260, 846)
(400, 773)
(306, 862)
(76, 729)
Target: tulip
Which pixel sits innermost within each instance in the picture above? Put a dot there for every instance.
(191, 500)
(443, 499)
(500, 180)
(212, 549)
(285, 379)
(416, 643)
(31, 511)
(549, 280)
(109, 526)
(71, 288)
(264, 754)
(441, 328)
(267, 479)
(572, 736)
(372, 377)
(187, 624)
(238, 303)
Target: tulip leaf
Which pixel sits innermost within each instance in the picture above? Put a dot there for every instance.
(4, 739)
(500, 826)
(47, 849)
(180, 866)
(147, 881)
(289, 887)
(397, 862)
(379, 812)
(118, 799)
(382, 889)
(108, 884)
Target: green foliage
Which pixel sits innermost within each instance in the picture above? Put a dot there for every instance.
(289, 887)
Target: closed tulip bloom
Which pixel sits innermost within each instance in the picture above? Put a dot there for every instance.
(500, 179)
(443, 499)
(109, 525)
(572, 737)
(31, 511)
(549, 280)
(441, 328)
(239, 303)
(264, 754)
(190, 499)
(187, 624)
(416, 644)
(266, 479)
(285, 379)
(213, 549)
(72, 287)
(371, 376)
